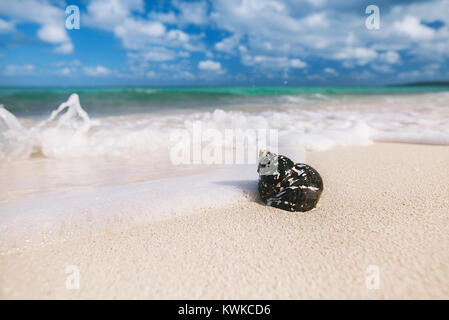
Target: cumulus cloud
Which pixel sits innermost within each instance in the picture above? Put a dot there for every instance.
(152, 54)
(6, 26)
(330, 30)
(65, 71)
(107, 14)
(64, 48)
(359, 54)
(15, 70)
(390, 57)
(331, 71)
(210, 65)
(52, 34)
(97, 71)
(187, 13)
(66, 68)
(297, 63)
(192, 12)
(272, 62)
(268, 36)
(50, 18)
(228, 44)
(146, 39)
(427, 72)
(412, 27)
(164, 17)
(136, 33)
(150, 74)
(185, 75)
(382, 68)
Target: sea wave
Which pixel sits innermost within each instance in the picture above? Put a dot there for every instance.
(71, 132)
(33, 102)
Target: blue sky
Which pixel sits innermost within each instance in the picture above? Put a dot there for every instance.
(222, 42)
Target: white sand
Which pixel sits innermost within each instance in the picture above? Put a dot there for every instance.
(385, 205)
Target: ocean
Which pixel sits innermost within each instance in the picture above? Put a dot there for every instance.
(119, 122)
(34, 102)
(168, 150)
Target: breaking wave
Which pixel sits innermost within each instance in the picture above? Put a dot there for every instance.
(70, 132)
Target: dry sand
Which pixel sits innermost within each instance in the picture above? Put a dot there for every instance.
(384, 205)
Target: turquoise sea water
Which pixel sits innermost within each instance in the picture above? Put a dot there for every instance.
(34, 101)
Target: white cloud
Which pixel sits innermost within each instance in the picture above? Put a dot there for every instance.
(107, 14)
(49, 17)
(188, 13)
(178, 35)
(145, 39)
(315, 77)
(316, 20)
(186, 75)
(316, 3)
(15, 70)
(426, 73)
(331, 71)
(6, 26)
(152, 54)
(65, 63)
(383, 68)
(65, 71)
(64, 48)
(163, 17)
(272, 62)
(332, 30)
(150, 74)
(210, 65)
(276, 30)
(297, 63)
(140, 28)
(192, 12)
(97, 71)
(228, 44)
(390, 57)
(361, 55)
(52, 34)
(271, 35)
(364, 75)
(136, 33)
(31, 11)
(412, 27)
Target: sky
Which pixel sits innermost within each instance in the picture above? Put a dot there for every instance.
(223, 42)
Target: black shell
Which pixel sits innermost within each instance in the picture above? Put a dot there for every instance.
(292, 187)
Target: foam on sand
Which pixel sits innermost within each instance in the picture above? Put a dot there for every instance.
(36, 220)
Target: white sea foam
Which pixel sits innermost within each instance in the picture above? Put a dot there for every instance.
(326, 125)
(34, 220)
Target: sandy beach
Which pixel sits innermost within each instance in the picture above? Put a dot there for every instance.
(384, 208)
